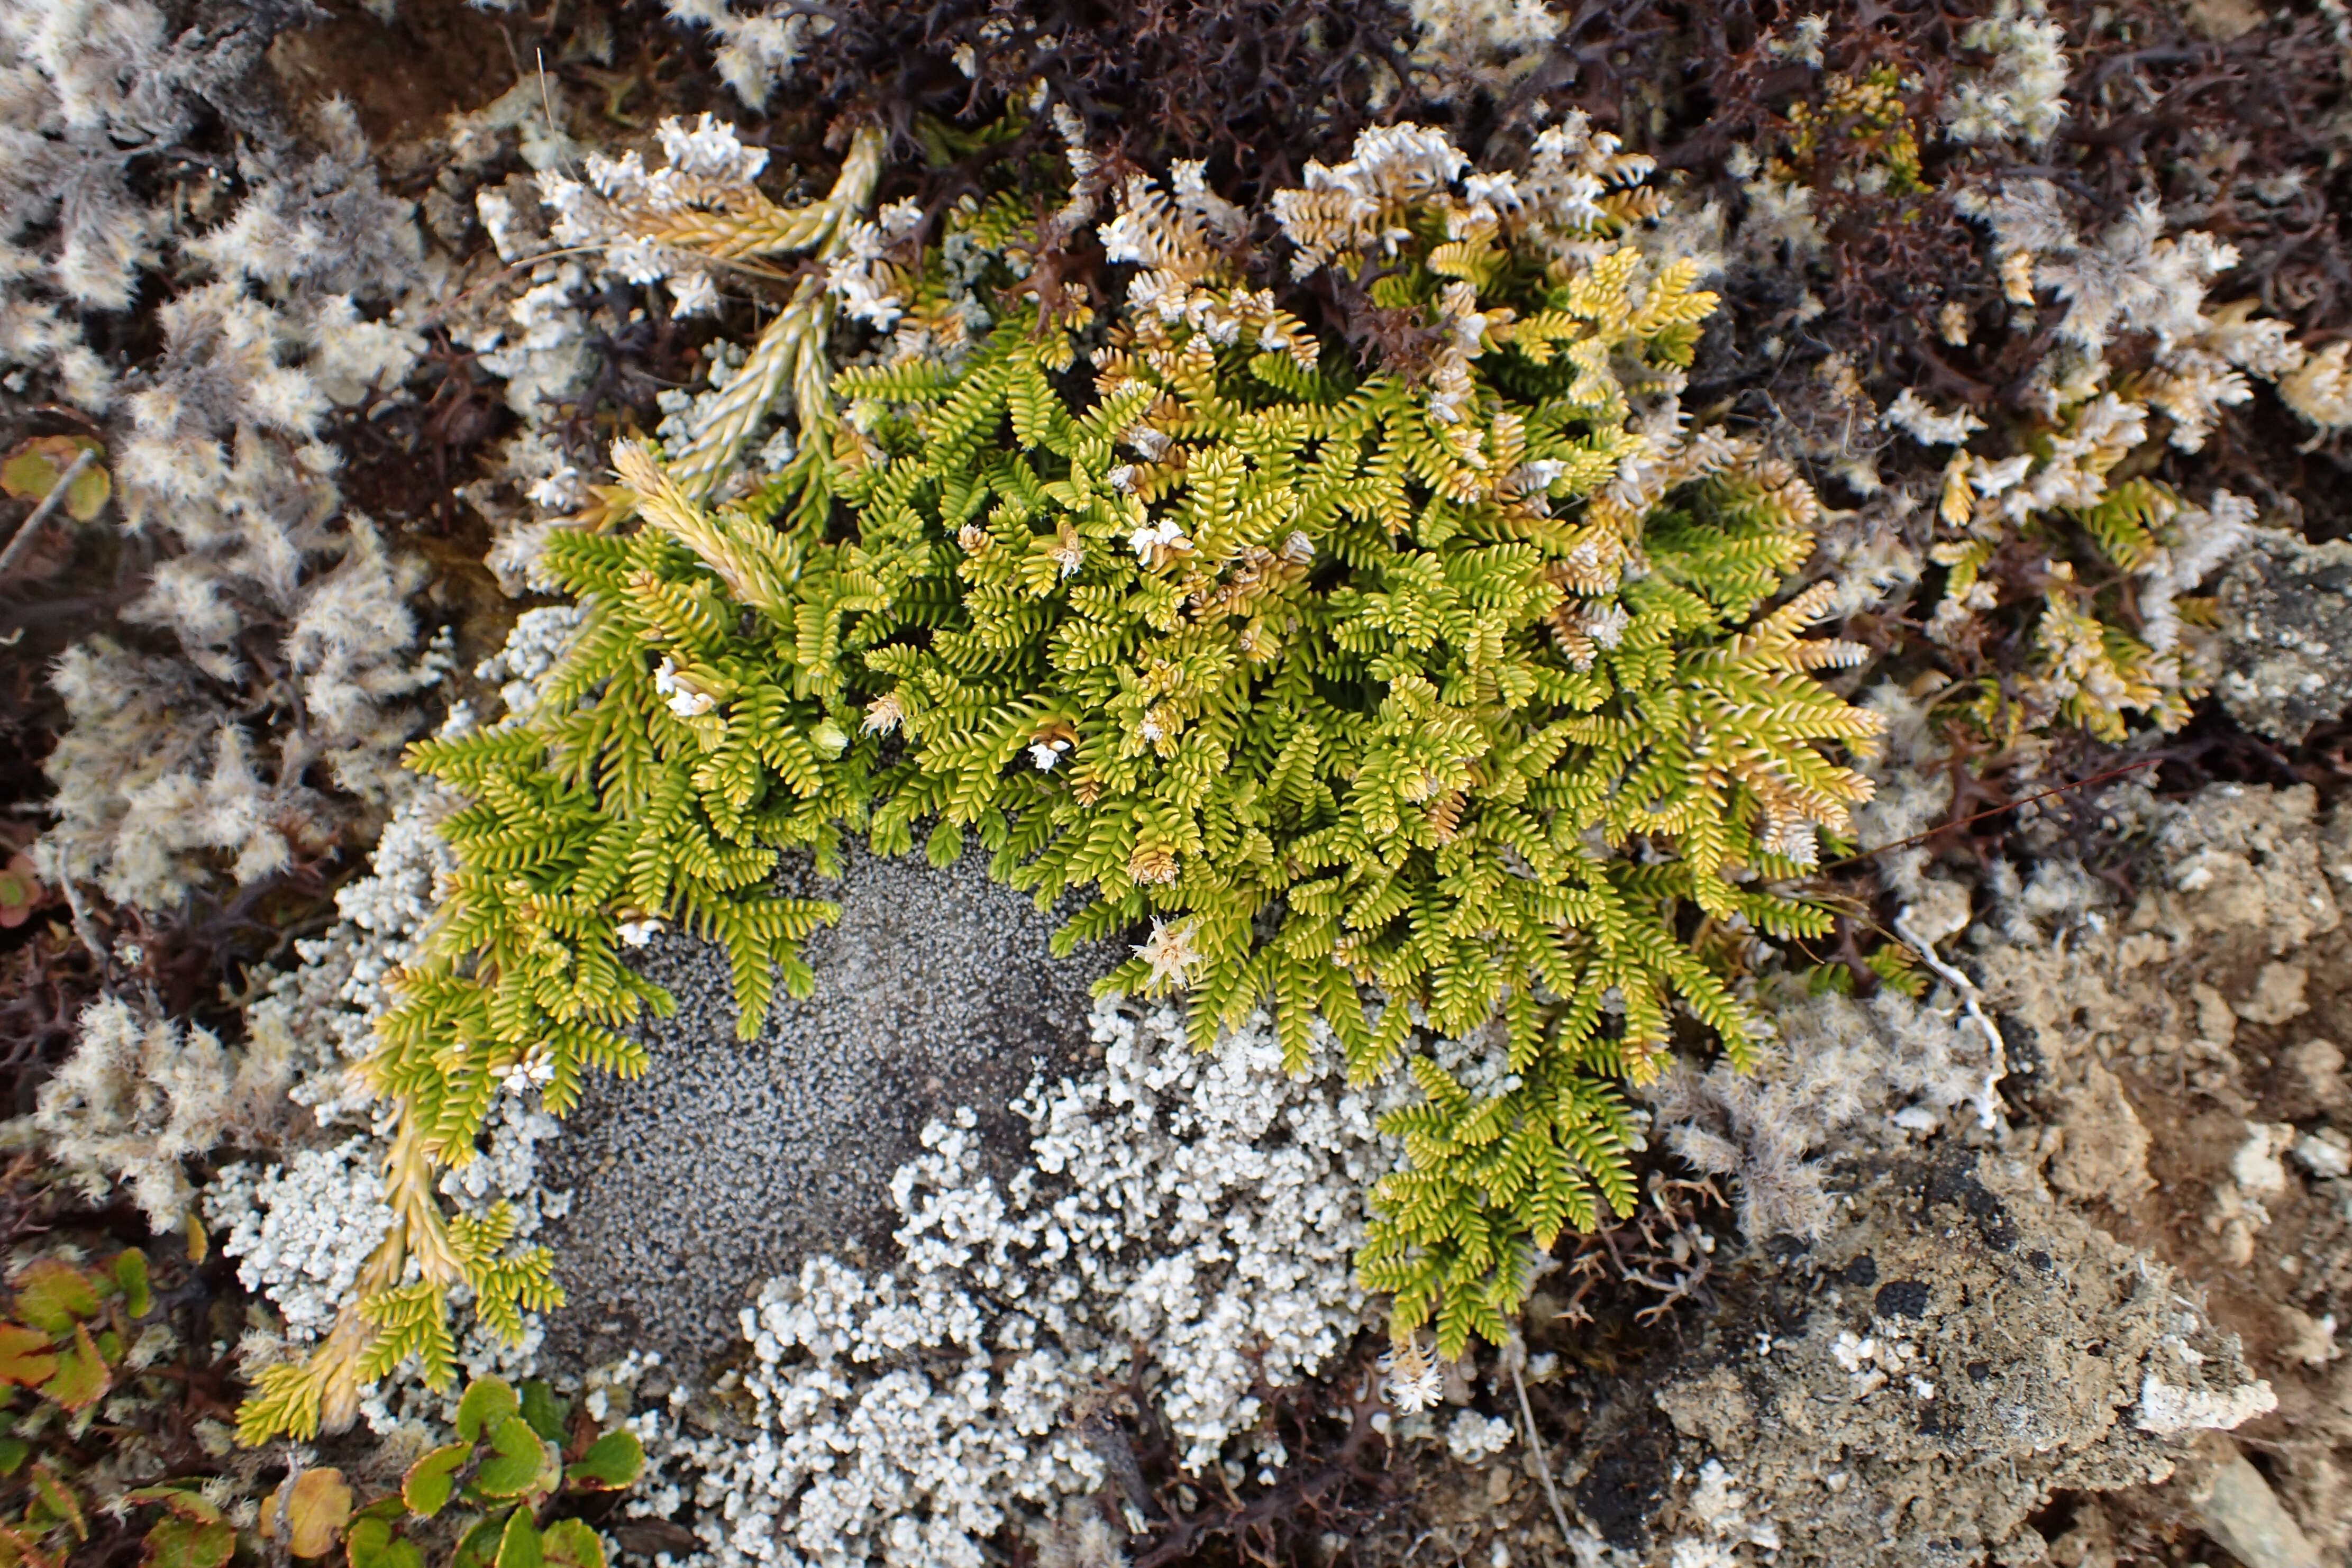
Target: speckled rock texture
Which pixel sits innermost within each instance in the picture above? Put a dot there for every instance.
(2289, 661)
(1914, 1390)
(727, 1163)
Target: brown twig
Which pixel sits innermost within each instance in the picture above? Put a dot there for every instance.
(1995, 811)
(49, 503)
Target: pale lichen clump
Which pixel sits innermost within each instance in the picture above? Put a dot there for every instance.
(142, 1094)
(292, 642)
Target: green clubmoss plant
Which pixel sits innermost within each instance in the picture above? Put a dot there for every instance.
(1439, 685)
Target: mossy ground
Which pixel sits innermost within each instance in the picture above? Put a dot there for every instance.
(2265, 88)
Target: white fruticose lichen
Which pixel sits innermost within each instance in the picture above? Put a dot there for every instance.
(2019, 95)
(1908, 1060)
(1204, 1207)
(1467, 46)
(142, 1093)
(302, 1231)
(1473, 1438)
(292, 642)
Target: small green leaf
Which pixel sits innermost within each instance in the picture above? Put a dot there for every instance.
(571, 1543)
(612, 1462)
(488, 1402)
(480, 1545)
(34, 469)
(54, 1497)
(54, 1295)
(945, 846)
(520, 1545)
(81, 1378)
(13, 1451)
(426, 1486)
(372, 1544)
(24, 1355)
(176, 1542)
(524, 1462)
(15, 1551)
(545, 1413)
(131, 1274)
(365, 1545)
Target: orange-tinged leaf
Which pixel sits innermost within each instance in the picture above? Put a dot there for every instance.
(571, 1543)
(316, 1511)
(52, 1495)
(81, 1378)
(426, 1486)
(53, 1294)
(524, 1462)
(17, 1548)
(614, 1462)
(178, 1543)
(24, 1355)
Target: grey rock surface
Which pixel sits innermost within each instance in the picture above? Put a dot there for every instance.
(728, 1162)
(2288, 608)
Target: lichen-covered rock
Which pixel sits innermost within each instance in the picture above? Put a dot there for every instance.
(2288, 608)
(2188, 1049)
(1186, 1224)
(728, 1163)
(1918, 1386)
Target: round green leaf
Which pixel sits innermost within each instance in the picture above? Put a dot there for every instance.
(176, 1542)
(372, 1544)
(545, 1413)
(52, 1294)
(481, 1543)
(611, 1463)
(522, 1461)
(571, 1543)
(488, 1402)
(426, 1486)
(521, 1546)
